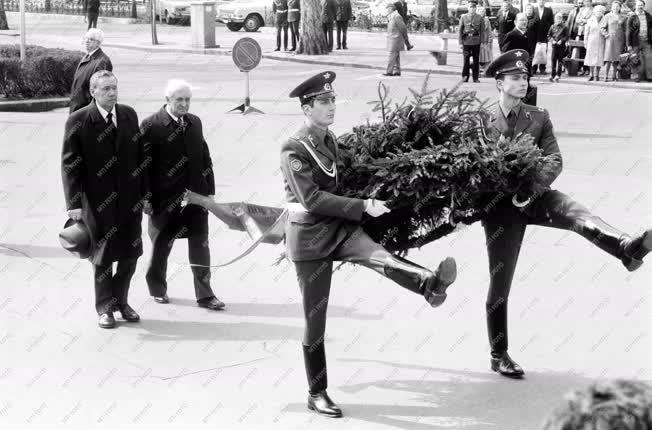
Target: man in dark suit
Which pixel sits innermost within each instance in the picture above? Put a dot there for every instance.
(93, 11)
(342, 18)
(506, 223)
(104, 181)
(179, 161)
(324, 227)
(328, 14)
(94, 60)
(546, 20)
(517, 38)
(639, 41)
(471, 27)
(505, 21)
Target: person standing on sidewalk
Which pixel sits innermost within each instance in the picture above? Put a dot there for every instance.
(639, 39)
(179, 161)
(328, 13)
(545, 21)
(294, 16)
(505, 21)
(93, 11)
(323, 227)
(614, 27)
(505, 224)
(343, 16)
(103, 170)
(397, 40)
(486, 39)
(94, 60)
(471, 27)
(280, 11)
(558, 35)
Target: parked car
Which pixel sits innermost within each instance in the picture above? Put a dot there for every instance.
(172, 11)
(247, 14)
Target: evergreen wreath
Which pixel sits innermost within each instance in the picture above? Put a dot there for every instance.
(436, 163)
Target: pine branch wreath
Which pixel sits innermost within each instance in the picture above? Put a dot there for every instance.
(437, 165)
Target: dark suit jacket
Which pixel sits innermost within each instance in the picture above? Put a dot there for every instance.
(308, 167)
(179, 160)
(545, 22)
(532, 33)
(80, 95)
(343, 10)
(633, 29)
(93, 6)
(329, 11)
(515, 40)
(504, 26)
(106, 179)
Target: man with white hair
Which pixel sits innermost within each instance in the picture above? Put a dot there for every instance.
(179, 161)
(94, 60)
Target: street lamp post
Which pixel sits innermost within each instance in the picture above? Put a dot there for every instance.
(153, 10)
(22, 31)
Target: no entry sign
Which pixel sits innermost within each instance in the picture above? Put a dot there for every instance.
(246, 54)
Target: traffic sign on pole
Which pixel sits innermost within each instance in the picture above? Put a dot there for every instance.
(246, 56)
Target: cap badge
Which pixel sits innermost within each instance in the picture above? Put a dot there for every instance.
(519, 63)
(327, 87)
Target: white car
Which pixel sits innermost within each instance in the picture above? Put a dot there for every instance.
(249, 14)
(172, 11)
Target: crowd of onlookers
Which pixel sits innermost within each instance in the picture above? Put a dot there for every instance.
(619, 39)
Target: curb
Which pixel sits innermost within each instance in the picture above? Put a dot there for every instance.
(73, 18)
(38, 105)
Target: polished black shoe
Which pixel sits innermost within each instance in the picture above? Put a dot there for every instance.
(477, 81)
(294, 48)
(445, 275)
(277, 49)
(106, 320)
(128, 313)
(344, 47)
(465, 79)
(389, 74)
(504, 365)
(322, 404)
(213, 304)
(636, 249)
(397, 74)
(164, 299)
(338, 47)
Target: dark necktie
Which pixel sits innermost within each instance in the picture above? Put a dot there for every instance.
(110, 133)
(511, 124)
(181, 124)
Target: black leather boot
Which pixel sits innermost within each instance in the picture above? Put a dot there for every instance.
(634, 250)
(314, 357)
(421, 280)
(501, 362)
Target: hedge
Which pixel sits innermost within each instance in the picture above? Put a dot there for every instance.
(47, 72)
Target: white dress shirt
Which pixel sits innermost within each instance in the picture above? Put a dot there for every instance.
(104, 114)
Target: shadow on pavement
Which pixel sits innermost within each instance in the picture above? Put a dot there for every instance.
(280, 310)
(170, 330)
(34, 251)
(459, 399)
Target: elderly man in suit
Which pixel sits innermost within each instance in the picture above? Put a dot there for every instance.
(546, 20)
(179, 161)
(505, 21)
(506, 223)
(397, 40)
(471, 27)
(324, 227)
(104, 177)
(328, 14)
(94, 60)
(517, 38)
(342, 18)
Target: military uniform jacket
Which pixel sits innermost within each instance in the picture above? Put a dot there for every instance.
(471, 27)
(80, 94)
(178, 160)
(343, 10)
(534, 121)
(106, 179)
(280, 11)
(328, 11)
(294, 10)
(325, 219)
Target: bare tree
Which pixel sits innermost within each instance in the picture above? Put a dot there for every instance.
(3, 17)
(313, 40)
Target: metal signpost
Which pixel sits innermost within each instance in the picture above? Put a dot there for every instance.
(22, 31)
(246, 55)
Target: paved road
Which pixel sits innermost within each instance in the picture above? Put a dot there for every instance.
(394, 363)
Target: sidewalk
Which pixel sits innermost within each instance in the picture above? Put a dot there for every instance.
(367, 49)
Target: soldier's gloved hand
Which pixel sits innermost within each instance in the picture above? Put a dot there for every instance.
(375, 208)
(75, 214)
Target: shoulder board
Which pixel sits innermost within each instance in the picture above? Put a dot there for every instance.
(531, 108)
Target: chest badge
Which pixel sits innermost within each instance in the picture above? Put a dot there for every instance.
(295, 164)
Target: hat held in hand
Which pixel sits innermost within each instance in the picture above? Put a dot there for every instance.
(75, 238)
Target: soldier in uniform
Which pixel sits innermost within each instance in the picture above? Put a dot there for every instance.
(505, 225)
(280, 11)
(471, 27)
(328, 14)
(323, 227)
(294, 16)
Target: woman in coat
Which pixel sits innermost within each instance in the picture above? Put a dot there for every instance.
(486, 39)
(613, 28)
(595, 41)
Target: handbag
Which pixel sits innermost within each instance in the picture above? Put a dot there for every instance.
(540, 53)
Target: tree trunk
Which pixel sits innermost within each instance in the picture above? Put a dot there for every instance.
(3, 17)
(313, 40)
